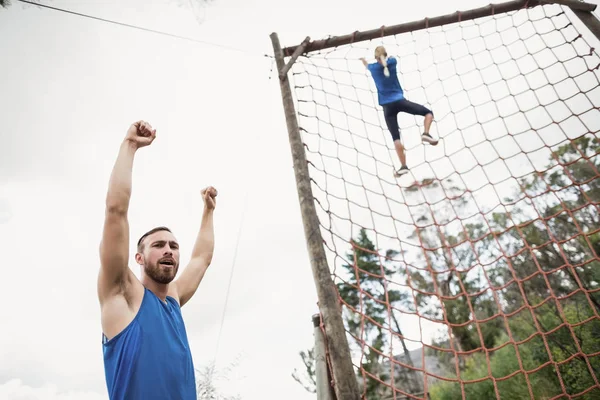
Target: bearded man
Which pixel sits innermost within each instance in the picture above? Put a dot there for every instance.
(144, 339)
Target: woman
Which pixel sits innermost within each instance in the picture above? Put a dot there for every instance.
(391, 98)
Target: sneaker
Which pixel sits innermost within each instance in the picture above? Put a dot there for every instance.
(426, 138)
(402, 171)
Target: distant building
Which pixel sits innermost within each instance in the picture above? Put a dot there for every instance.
(411, 381)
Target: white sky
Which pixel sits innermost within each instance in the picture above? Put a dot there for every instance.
(69, 88)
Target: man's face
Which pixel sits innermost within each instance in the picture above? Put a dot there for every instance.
(160, 257)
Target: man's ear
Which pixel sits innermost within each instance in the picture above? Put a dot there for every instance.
(139, 258)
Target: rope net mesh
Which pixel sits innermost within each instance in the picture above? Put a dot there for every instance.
(477, 275)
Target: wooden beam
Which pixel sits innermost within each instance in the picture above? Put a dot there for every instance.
(447, 19)
(299, 50)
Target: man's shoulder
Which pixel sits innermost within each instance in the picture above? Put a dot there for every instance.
(120, 306)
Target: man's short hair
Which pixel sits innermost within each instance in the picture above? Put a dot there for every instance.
(140, 245)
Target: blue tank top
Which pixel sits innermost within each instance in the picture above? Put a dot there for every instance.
(389, 89)
(151, 358)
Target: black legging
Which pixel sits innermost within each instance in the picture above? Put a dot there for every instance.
(391, 110)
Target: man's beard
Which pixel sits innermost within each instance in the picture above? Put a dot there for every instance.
(160, 274)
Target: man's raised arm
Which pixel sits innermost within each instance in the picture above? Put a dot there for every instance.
(114, 247)
(202, 253)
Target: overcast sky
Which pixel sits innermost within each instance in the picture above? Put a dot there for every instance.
(69, 89)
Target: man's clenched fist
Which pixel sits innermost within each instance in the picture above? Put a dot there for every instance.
(209, 195)
(141, 134)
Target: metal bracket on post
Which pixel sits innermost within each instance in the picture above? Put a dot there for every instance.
(322, 373)
(299, 50)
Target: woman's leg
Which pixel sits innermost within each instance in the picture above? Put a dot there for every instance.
(427, 122)
(409, 107)
(390, 112)
(400, 152)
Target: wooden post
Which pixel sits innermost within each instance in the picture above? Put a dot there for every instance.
(346, 386)
(322, 373)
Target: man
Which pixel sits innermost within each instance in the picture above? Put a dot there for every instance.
(146, 350)
(391, 97)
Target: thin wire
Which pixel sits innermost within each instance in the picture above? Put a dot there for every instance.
(140, 28)
(237, 244)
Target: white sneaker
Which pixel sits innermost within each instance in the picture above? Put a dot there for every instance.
(402, 171)
(426, 138)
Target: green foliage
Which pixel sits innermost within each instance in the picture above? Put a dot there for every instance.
(307, 379)
(503, 363)
(518, 289)
(365, 292)
(450, 255)
(545, 275)
(207, 387)
(364, 289)
(512, 380)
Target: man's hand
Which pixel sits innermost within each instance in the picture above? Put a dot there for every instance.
(202, 253)
(209, 195)
(364, 61)
(140, 134)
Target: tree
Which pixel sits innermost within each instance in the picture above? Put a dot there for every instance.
(503, 363)
(532, 354)
(181, 3)
(197, 7)
(6, 3)
(368, 295)
(517, 289)
(307, 380)
(448, 277)
(560, 266)
(573, 215)
(186, 3)
(545, 270)
(206, 378)
(365, 291)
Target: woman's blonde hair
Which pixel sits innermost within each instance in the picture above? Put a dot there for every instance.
(380, 51)
(381, 55)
